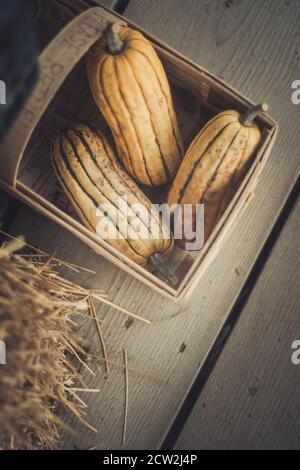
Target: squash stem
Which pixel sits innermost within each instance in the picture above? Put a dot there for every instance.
(115, 45)
(159, 265)
(248, 118)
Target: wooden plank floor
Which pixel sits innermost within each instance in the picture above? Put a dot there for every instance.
(251, 399)
(241, 42)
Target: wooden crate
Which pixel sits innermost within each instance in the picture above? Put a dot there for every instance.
(63, 93)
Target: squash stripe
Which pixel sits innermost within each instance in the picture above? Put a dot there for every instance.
(171, 113)
(179, 146)
(77, 156)
(124, 181)
(136, 195)
(166, 169)
(72, 172)
(190, 177)
(233, 175)
(73, 175)
(73, 200)
(133, 126)
(215, 174)
(208, 124)
(106, 98)
(92, 156)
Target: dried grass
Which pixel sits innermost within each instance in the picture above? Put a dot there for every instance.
(42, 351)
(37, 312)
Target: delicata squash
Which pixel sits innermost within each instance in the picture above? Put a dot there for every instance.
(107, 200)
(215, 164)
(130, 87)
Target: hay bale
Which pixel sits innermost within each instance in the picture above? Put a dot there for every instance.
(41, 344)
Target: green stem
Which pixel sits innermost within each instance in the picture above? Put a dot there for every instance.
(248, 118)
(159, 265)
(115, 45)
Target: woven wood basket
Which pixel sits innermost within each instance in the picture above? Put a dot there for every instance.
(25, 163)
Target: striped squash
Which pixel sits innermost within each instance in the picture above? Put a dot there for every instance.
(215, 164)
(130, 87)
(107, 200)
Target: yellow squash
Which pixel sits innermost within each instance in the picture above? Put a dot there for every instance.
(130, 87)
(107, 200)
(215, 164)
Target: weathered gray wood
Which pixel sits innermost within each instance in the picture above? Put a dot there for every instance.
(251, 400)
(242, 43)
